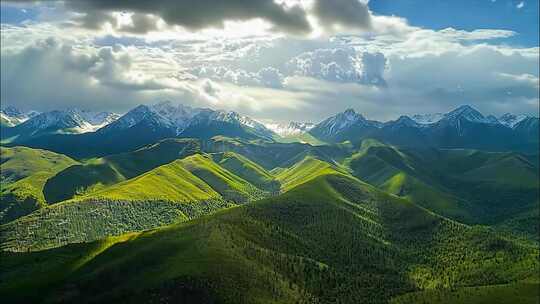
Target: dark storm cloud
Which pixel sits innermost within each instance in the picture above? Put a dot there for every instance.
(347, 13)
(201, 14)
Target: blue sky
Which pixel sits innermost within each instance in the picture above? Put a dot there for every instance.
(468, 15)
(288, 60)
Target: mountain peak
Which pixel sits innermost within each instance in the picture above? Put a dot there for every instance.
(350, 115)
(349, 111)
(511, 120)
(12, 111)
(405, 119)
(466, 112)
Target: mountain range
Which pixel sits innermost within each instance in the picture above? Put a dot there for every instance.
(85, 134)
(169, 203)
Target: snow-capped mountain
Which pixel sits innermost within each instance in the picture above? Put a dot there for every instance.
(342, 123)
(98, 119)
(177, 118)
(402, 121)
(291, 129)
(492, 119)
(70, 121)
(207, 123)
(8, 121)
(511, 120)
(11, 116)
(465, 112)
(177, 114)
(463, 127)
(427, 118)
(55, 121)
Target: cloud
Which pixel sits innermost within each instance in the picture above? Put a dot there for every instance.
(340, 65)
(268, 76)
(291, 17)
(396, 68)
(342, 14)
(200, 14)
(520, 5)
(50, 75)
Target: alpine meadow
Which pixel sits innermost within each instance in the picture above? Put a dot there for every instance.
(270, 152)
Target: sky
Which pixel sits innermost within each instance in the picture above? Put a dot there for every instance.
(273, 60)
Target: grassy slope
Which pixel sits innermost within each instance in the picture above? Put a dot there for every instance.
(500, 187)
(229, 185)
(303, 171)
(96, 174)
(173, 181)
(247, 169)
(273, 155)
(24, 172)
(188, 188)
(330, 238)
(466, 185)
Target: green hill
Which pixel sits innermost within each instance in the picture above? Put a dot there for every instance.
(430, 197)
(228, 185)
(466, 185)
(276, 155)
(98, 173)
(247, 169)
(303, 171)
(173, 181)
(179, 191)
(333, 239)
(23, 174)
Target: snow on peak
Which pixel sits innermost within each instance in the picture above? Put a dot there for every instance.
(511, 120)
(12, 116)
(130, 119)
(466, 112)
(492, 120)
(290, 129)
(56, 120)
(12, 111)
(342, 121)
(463, 112)
(425, 119)
(99, 118)
(178, 117)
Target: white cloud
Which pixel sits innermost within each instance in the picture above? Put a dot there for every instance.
(269, 76)
(520, 5)
(341, 65)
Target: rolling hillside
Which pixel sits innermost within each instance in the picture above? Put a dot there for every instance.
(99, 173)
(330, 239)
(227, 184)
(173, 181)
(303, 171)
(470, 186)
(188, 188)
(248, 170)
(23, 174)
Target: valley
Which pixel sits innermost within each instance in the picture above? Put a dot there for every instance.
(233, 218)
